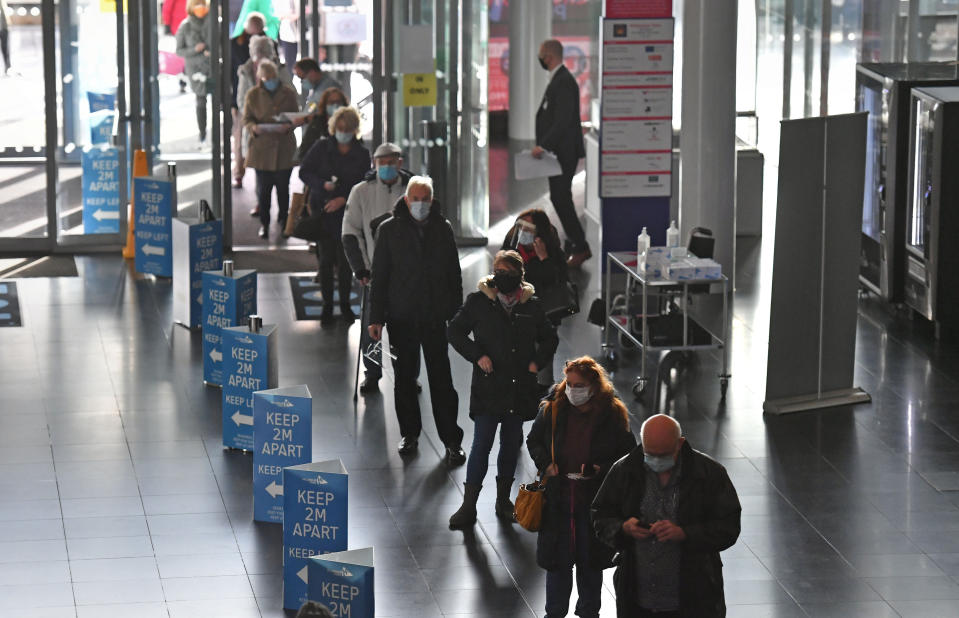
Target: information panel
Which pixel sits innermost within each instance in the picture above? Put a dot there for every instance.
(197, 247)
(249, 365)
(227, 301)
(314, 521)
(153, 200)
(101, 191)
(636, 106)
(343, 582)
(282, 437)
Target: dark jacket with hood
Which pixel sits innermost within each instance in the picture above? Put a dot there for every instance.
(709, 514)
(546, 273)
(511, 340)
(416, 269)
(611, 440)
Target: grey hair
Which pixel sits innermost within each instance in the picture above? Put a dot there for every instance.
(420, 181)
(262, 47)
(267, 69)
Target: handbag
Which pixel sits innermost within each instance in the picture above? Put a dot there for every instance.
(529, 501)
(560, 301)
(309, 226)
(297, 206)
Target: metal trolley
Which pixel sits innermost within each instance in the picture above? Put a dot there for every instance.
(694, 336)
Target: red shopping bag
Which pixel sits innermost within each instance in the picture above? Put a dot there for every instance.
(170, 63)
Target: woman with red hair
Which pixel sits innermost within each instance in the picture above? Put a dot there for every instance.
(581, 430)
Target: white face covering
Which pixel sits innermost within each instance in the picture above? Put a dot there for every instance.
(578, 395)
(420, 210)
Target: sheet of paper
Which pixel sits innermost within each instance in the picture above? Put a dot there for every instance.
(292, 116)
(527, 166)
(272, 127)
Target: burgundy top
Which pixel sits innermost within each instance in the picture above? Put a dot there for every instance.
(579, 435)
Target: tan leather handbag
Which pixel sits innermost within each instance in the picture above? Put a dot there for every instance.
(529, 502)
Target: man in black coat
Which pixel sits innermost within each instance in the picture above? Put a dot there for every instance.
(668, 510)
(416, 287)
(558, 131)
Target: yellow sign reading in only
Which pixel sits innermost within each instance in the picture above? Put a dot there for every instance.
(110, 6)
(419, 89)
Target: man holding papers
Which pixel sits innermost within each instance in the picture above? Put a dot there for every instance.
(558, 131)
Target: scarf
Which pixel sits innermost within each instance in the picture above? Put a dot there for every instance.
(508, 301)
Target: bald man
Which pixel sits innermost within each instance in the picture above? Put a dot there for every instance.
(669, 510)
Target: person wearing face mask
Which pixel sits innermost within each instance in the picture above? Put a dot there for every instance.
(315, 82)
(512, 340)
(558, 130)
(318, 122)
(582, 428)
(332, 167)
(272, 146)
(193, 44)
(668, 510)
(368, 205)
(415, 288)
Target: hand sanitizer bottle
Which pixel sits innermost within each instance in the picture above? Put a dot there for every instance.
(642, 243)
(672, 235)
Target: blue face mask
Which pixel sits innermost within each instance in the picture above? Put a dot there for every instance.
(343, 137)
(525, 238)
(331, 109)
(387, 173)
(659, 463)
(271, 84)
(420, 210)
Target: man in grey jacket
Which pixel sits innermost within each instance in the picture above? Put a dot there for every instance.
(369, 204)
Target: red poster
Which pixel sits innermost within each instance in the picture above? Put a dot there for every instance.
(622, 9)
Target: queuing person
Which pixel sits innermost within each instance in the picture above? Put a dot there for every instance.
(536, 240)
(368, 205)
(332, 167)
(668, 510)
(174, 12)
(591, 432)
(558, 131)
(312, 609)
(271, 146)
(193, 44)
(512, 340)
(288, 35)
(318, 123)
(239, 55)
(416, 287)
(265, 9)
(316, 80)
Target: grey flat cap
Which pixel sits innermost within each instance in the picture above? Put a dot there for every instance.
(387, 149)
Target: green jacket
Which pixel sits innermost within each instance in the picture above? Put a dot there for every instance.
(260, 6)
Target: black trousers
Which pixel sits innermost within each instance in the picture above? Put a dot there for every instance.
(330, 255)
(265, 181)
(201, 115)
(5, 48)
(406, 338)
(561, 194)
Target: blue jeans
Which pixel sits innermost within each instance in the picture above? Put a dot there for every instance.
(589, 581)
(510, 441)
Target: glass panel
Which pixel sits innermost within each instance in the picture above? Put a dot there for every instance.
(807, 38)
(871, 99)
(844, 45)
(473, 132)
(937, 31)
(23, 211)
(88, 167)
(769, 63)
(920, 173)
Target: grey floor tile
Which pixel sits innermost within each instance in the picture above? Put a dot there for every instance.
(123, 610)
(926, 608)
(35, 596)
(45, 572)
(207, 588)
(33, 551)
(915, 588)
(31, 530)
(102, 527)
(113, 569)
(128, 591)
(110, 547)
(200, 565)
(857, 609)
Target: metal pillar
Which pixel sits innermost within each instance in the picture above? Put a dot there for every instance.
(529, 25)
(708, 135)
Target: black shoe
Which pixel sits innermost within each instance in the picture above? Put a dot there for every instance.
(419, 387)
(455, 456)
(347, 312)
(317, 278)
(326, 318)
(282, 223)
(408, 446)
(264, 231)
(370, 385)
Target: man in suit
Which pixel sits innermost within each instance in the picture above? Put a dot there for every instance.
(558, 131)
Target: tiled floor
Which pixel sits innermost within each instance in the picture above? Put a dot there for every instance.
(118, 500)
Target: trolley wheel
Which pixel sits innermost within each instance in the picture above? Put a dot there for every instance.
(639, 387)
(723, 385)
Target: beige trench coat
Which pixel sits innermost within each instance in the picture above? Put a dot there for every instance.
(269, 152)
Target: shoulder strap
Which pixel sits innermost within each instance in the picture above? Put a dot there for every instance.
(552, 437)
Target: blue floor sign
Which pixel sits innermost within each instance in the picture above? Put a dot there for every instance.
(153, 234)
(314, 521)
(227, 301)
(9, 304)
(249, 365)
(101, 191)
(342, 582)
(282, 437)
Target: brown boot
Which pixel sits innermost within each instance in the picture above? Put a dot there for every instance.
(465, 516)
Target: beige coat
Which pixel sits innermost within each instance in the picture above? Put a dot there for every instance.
(269, 151)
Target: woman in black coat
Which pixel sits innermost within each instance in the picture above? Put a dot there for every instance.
(512, 340)
(591, 433)
(331, 168)
(536, 240)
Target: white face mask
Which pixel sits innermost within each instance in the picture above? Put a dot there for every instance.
(525, 238)
(420, 210)
(578, 395)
